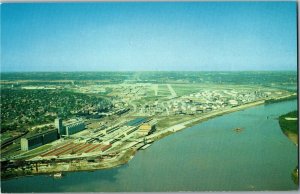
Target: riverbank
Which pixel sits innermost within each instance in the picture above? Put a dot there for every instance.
(123, 157)
(96, 163)
(289, 126)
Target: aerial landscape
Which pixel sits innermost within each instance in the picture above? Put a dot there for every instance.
(149, 97)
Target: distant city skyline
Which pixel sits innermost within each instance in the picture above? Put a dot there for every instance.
(151, 36)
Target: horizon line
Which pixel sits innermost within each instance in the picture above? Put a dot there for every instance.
(99, 71)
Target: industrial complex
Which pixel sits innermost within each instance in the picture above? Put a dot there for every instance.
(29, 143)
(99, 141)
(71, 127)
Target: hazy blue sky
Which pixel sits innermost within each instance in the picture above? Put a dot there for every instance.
(148, 36)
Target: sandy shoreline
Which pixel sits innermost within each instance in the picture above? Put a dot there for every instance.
(126, 156)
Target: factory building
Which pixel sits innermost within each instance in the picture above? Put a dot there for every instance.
(147, 128)
(136, 122)
(59, 126)
(70, 127)
(74, 127)
(50, 136)
(35, 141)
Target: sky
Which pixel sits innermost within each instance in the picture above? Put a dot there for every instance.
(148, 36)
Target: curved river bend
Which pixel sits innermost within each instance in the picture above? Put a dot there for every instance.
(208, 156)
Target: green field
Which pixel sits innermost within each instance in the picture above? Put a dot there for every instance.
(172, 120)
(186, 89)
(37, 151)
(163, 90)
(289, 125)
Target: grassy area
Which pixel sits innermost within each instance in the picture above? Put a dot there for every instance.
(37, 150)
(146, 100)
(10, 154)
(163, 90)
(289, 125)
(295, 175)
(185, 89)
(172, 120)
(150, 92)
(163, 135)
(5, 136)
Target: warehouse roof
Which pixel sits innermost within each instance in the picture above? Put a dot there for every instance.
(40, 134)
(136, 121)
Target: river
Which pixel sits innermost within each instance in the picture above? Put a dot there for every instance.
(209, 156)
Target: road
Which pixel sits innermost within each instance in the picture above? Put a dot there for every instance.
(172, 91)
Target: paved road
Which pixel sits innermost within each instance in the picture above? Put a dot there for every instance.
(172, 91)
